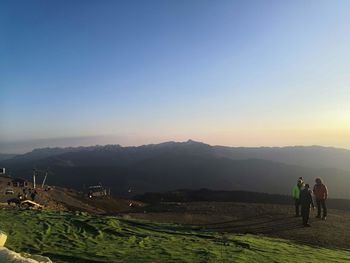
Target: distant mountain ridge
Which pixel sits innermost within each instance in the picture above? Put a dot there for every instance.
(191, 165)
(6, 156)
(308, 156)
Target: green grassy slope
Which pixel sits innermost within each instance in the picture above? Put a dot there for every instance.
(66, 237)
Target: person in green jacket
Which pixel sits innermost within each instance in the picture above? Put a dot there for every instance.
(296, 195)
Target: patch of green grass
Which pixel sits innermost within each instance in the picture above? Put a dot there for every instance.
(68, 237)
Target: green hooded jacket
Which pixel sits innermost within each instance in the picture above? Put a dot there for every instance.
(296, 192)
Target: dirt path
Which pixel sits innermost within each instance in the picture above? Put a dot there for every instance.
(263, 219)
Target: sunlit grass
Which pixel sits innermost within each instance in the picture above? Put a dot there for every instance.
(69, 237)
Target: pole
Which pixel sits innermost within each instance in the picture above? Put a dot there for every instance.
(42, 185)
(34, 178)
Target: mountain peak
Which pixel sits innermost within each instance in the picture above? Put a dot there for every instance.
(193, 141)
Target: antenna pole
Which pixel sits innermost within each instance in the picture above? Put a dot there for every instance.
(34, 172)
(42, 185)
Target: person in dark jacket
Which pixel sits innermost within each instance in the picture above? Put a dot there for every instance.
(306, 202)
(33, 195)
(321, 195)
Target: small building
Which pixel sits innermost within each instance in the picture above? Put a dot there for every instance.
(96, 191)
(19, 182)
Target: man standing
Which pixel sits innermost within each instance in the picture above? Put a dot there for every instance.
(306, 201)
(296, 195)
(321, 194)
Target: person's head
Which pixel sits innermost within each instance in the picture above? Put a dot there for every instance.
(318, 180)
(307, 186)
(300, 182)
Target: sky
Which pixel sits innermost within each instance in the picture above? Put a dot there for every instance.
(236, 73)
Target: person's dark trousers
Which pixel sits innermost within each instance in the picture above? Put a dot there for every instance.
(321, 203)
(305, 213)
(297, 205)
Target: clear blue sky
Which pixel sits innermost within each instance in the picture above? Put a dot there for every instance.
(241, 73)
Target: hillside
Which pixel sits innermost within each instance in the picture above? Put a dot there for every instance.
(177, 226)
(187, 165)
(67, 237)
(65, 199)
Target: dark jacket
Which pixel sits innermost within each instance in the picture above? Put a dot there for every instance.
(306, 198)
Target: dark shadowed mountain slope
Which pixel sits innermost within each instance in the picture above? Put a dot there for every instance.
(5, 156)
(307, 156)
(169, 166)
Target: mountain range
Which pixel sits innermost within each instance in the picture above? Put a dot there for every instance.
(187, 165)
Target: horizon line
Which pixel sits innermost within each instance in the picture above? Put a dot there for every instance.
(163, 142)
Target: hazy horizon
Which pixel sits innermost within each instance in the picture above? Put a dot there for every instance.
(22, 147)
(235, 73)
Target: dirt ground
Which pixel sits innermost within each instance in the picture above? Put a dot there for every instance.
(263, 219)
(225, 217)
(59, 198)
